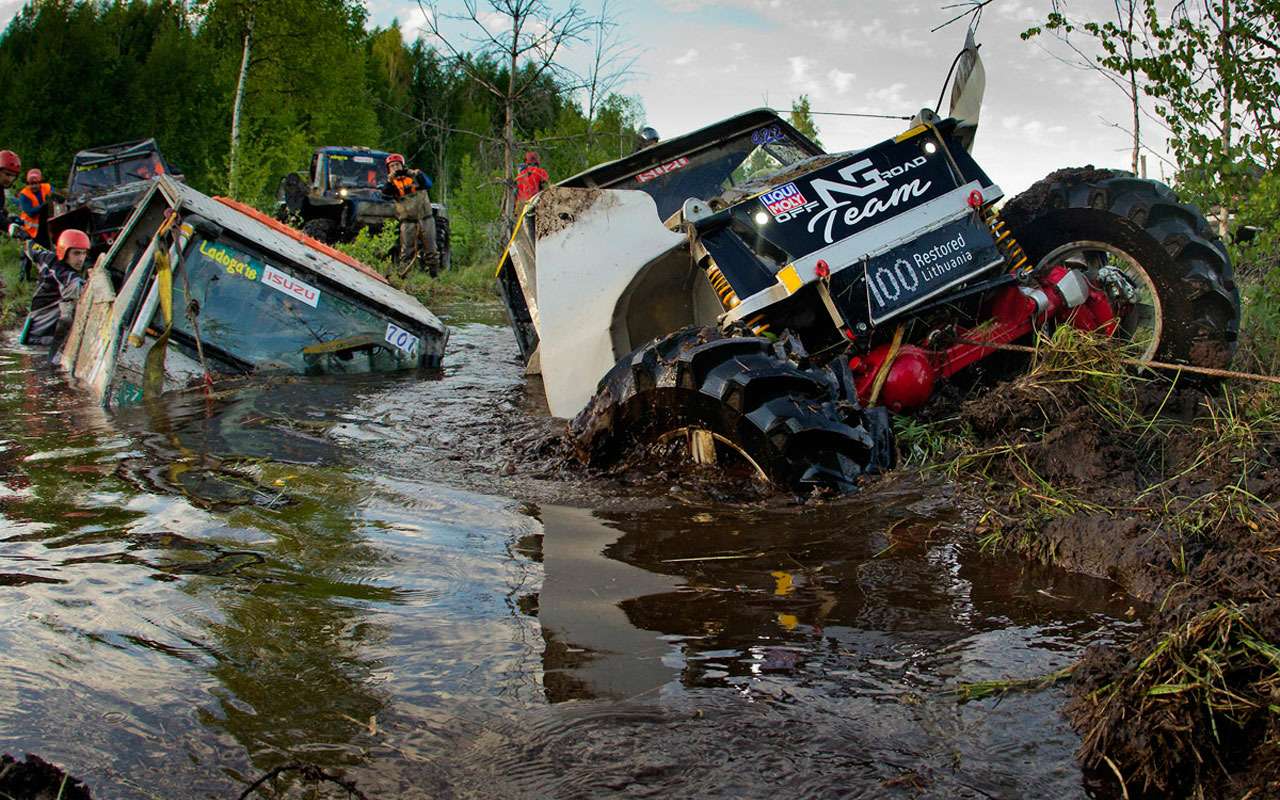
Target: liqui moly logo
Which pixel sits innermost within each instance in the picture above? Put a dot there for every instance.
(787, 202)
(858, 181)
(284, 282)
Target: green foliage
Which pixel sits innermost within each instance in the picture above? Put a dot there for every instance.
(374, 249)
(802, 119)
(15, 299)
(476, 215)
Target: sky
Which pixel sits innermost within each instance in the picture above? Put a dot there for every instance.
(698, 61)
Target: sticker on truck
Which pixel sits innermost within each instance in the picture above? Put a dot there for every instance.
(286, 283)
(401, 339)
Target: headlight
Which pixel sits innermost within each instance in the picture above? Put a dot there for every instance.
(343, 192)
(761, 218)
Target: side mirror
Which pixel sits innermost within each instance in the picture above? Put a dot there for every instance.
(1246, 233)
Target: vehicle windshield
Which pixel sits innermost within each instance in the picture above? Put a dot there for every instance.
(114, 173)
(356, 172)
(708, 172)
(262, 313)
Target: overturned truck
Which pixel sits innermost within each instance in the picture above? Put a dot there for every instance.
(196, 288)
(772, 303)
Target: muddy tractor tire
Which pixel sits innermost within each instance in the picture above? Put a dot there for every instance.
(442, 243)
(322, 230)
(1141, 225)
(800, 425)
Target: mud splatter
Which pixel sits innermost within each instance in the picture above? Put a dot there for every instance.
(558, 208)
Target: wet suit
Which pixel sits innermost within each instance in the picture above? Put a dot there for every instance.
(57, 289)
(417, 219)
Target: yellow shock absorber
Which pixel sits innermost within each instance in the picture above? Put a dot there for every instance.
(729, 299)
(1008, 245)
(720, 284)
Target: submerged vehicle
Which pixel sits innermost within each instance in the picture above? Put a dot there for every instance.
(343, 195)
(102, 188)
(739, 287)
(197, 287)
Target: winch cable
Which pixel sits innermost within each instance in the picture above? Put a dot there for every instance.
(1212, 372)
(193, 310)
(883, 372)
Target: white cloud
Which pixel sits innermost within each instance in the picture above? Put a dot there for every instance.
(690, 56)
(840, 80)
(413, 23)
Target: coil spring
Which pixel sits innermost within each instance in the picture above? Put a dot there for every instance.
(1006, 243)
(720, 284)
(729, 298)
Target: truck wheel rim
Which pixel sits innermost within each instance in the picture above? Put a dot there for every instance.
(1142, 323)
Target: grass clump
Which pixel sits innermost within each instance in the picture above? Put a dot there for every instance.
(16, 298)
(460, 283)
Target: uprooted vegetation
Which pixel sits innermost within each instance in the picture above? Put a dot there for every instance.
(1167, 486)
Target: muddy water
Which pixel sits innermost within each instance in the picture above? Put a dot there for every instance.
(360, 575)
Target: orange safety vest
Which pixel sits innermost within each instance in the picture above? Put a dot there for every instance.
(31, 222)
(405, 186)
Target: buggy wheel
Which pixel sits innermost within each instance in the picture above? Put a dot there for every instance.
(322, 230)
(443, 235)
(1163, 269)
(797, 425)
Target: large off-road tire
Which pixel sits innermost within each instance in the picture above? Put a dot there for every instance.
(801, 425)
(442, 242)
(322, 230)
(1139, 225)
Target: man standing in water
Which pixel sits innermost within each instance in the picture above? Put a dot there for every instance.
(57, 289)
(408, 187)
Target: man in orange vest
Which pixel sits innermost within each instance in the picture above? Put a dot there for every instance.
(31, 200)
(408, 187)
(532, 178)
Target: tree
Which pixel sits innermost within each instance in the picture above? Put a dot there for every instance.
(529, 33)
(802, 119)
(1122, 40)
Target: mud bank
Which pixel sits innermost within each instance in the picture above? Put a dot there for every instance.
(1169, 490)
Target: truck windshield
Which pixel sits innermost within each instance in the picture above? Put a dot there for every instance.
(114, 173)
(356, 172)
(707, 172)
(263, 313)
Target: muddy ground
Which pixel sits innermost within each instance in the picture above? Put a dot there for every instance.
(1168, 489)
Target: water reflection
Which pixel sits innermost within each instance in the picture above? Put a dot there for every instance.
(196, 591)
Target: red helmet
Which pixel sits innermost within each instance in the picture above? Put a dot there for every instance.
(71, 239)
(35, 176)
(531, 157)
(10, 162)
(395, 158)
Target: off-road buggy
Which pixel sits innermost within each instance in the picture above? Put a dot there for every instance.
(741, 287)
(342, 195)
(102, 188)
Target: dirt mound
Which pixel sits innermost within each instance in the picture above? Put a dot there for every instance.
(1170, 490)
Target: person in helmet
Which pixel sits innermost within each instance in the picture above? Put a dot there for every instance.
(648, 138)
(10, 166)
(57, 288)
(31, 200)
(408, 187)
(532, 178)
